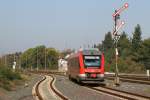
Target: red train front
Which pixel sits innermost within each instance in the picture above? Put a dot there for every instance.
(86, 66)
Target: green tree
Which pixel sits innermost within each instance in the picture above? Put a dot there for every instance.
(136, 40)
(124, 45)
(35, 57)
(40, 50)
(52, 58)
(136, 43)
(108, 42)
(107, 47)
(144, 53)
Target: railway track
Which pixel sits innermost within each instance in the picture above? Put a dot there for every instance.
(131, 76)
(131, 79)
(119, 93)
(55, 90)
(106, 90)
(38, 95)
(123, 76)
(136, 77)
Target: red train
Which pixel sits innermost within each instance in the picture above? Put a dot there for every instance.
(86, 66)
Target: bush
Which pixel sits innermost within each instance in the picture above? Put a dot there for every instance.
(126, 66)
(6, 73)
(7, 77)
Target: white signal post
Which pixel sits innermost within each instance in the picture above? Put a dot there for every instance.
(118, 26)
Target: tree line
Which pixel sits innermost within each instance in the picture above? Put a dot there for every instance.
(134, 52)
(39, 57)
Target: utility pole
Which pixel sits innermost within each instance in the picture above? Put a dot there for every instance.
(45, 58)
(37, 68)
(14, 58)
(19, 62)
(6, 60)
(117, 26)
(26, 61)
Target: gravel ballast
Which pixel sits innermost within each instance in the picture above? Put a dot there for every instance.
(77, 92)
(137, 88)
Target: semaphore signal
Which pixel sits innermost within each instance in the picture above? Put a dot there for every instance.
(117, 28)
(126, 5)
(118, 25)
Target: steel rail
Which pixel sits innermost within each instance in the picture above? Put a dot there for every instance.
(55, 90)
(37, 89)
(119, 93)
(131, 80)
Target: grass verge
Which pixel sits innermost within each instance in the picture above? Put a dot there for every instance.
(10, 78)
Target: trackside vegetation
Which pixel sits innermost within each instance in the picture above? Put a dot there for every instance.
(8, 77)
(134, 52)
(39, 57)
(33, 58)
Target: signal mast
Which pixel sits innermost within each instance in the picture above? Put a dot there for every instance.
(117, 26)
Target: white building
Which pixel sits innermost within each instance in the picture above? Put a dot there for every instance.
(62, 65)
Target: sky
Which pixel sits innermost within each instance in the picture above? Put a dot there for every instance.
(65, 23)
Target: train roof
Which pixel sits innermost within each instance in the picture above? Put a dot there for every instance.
(89, 51)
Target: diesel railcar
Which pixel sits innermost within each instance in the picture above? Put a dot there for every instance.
(86, 66)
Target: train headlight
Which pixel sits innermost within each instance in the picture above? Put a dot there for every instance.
(100, 75)
(82, 75)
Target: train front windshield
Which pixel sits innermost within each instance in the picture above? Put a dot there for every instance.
(92, 61)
